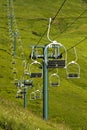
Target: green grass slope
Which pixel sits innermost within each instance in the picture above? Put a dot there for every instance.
(13, 117)
(68, 102)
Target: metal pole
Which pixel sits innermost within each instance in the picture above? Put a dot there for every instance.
(25, 96)
(15, 43)
(45, 88)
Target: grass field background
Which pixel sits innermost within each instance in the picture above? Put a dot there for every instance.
(68, 102)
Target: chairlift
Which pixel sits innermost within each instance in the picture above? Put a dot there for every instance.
(24, 63)
(22, 55)
(28, 83)
(20, 41)
(19, 94)
(34, 53)
(14, 71)
(57, 60)
(20, 48)
(35, 72)
(19, 83)
(33, 96)
(20, 51)
(13, 61)
(11, 39)
(26, 72)
(56, 63)
(38, 94)
(16, 82)
(54, 80)
(12, 53)
(11, 46)
(73, 70)
(19, 91)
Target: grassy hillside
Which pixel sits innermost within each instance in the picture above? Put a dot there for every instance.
(68, 102)
(13, 117)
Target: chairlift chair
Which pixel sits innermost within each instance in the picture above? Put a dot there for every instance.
(26, 72)
(28, 83)
(11, 47)
(35, 73)
(12, 53)
(24, 63)
(54, 80)
(22, 55)
(33, 96)
(19, 94)
(73, 70)
(14, 71)
(38, 94)
(58, 61)
(13, 61)
(20, 48)
(16, 82)
(19, 83)
(34, 53)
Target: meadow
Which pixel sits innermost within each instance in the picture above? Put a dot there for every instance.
(67, 102)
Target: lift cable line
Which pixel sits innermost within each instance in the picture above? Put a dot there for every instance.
(52, 21)
(74, 20)
(59, 10)
(75, 45)
(69, 25)
(5, 51)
